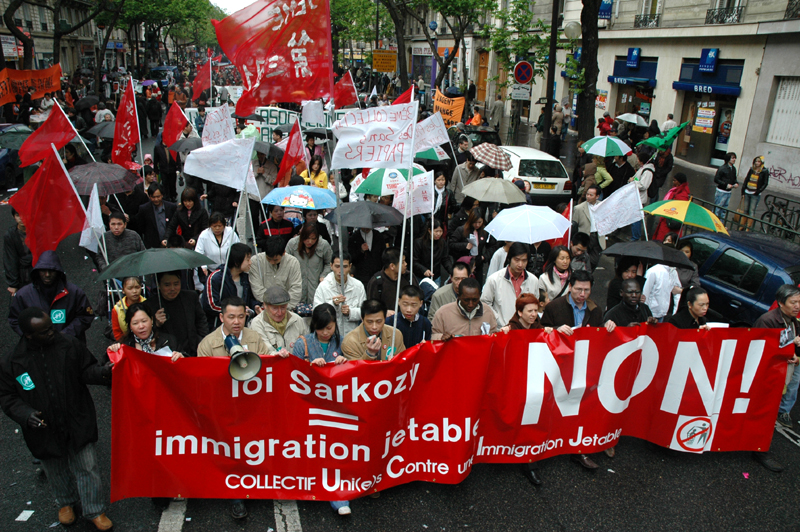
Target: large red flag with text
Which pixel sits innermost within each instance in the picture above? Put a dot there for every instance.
(202, 81)
(57, 130)
(295, 153)
(282, 50)
(49, 206)
(344, 92)
(174, 124)
(126, 130)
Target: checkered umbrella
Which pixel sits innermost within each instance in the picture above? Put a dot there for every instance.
(492, 156)
(110, 178)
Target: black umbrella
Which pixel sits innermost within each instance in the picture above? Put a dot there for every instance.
(104, 130)
(154, 261)
(650, 252)
(268, 149)
(366, 214)
(110, 178)
(254, 118)
(316, 132)
(86, 102)
(186, 145)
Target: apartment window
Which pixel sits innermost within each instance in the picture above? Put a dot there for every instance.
(784, 125)
(651, 7)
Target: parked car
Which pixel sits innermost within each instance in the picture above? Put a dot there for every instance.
(159, 74)
(9, 161)
(742, 272)
(550, 183)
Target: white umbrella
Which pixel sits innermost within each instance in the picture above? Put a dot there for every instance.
(528, 224)
(633, 119)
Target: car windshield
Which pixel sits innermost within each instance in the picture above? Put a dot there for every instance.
(539, 168)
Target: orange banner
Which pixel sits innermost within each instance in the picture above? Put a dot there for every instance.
(13, 82)
(451, 108)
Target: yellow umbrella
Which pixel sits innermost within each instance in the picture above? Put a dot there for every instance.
(688, 213)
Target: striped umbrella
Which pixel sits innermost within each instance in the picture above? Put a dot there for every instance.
(688, 213)
(386, 181)
(606, 146)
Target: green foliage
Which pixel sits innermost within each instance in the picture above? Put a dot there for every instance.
(576, 74)
(354, 20)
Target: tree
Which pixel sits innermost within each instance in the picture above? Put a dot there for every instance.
(109, 18)
(27, 42)
(590, 41)
(399, 20)
(55, 7)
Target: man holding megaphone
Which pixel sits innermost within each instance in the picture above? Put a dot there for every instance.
(243, 345)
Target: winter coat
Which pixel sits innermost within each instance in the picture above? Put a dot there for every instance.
(366, 262)
(354, 346)
(448, 207)
(118, 246)
(313, 268)
(457, 243)
(274, 340)
(726, 175)
(414, 332)
(354, 294)
(499, 294)
(66, 406)
(154, 110)
(559, 312)
(442, 261)
(213, 345)
(16, 258)
(70, 310)
(663, 168)
(186, 320)
(763, 181)
(287, 274)
(222, 199)
(119, 324)
(208, 245)
(147, 226)
(462, 177)
(451, 319)
(309, 348)
(558, 119)
(188, 227)
(681, 193)
(553, 288)
(215, 293)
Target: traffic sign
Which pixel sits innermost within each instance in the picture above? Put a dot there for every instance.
(520, 91)
(523, 72)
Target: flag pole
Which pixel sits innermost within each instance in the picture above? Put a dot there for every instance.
(138, 128)
(433, 208)
(242, 194)
(76, 132)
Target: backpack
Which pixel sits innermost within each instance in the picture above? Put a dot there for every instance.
(652, 190)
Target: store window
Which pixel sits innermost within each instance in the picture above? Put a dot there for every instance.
(784, 124)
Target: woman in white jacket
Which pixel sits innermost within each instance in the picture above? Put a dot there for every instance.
(215, 241)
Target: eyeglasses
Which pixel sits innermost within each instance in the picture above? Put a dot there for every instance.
(582, 290)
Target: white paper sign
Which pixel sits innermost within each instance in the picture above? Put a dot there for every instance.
(312, 113)
(378, 137)
(620, 209)
(93, 227)
(430, 133)
(218, 127)
(224, 164)
(421, 195)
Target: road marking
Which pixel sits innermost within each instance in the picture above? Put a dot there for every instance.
(173, 517)
(789, 434)
(287, 518)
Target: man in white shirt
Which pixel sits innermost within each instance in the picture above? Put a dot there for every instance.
(642, 178)
(669, 124)
(348, 306)
(662, 284)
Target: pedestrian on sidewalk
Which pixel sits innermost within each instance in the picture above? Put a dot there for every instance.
(726, 181)
(755, 182)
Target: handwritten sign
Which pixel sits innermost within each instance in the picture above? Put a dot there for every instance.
(430, 133)
(451, 109)
(379, 137)
(620, 209)
(218, 127)
(421, 195)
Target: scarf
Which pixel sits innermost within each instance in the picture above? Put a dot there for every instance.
(280, 326)
(563, 276)
(145, 344)
(439, 197)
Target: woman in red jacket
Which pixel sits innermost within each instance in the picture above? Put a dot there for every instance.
(679, 191)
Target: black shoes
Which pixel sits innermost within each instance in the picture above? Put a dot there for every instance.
(766, 460)
(584, 461)
(238, 510)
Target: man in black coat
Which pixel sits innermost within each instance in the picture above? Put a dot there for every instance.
(366, 247)
(153, 217)
(43, 388)
(166, 167)
(154, 113)
(181, 313)
(16, 255)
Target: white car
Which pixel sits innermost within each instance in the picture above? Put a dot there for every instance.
(550, 183)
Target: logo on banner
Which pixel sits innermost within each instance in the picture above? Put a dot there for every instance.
(26, 382)
(58, 316)
(693, 434)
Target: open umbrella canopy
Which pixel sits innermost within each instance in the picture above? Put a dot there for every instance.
(110, 178)
(528, 224)
(633, 118)
(253, 118)
(268, 149)
(687, 212)
(86, 102)
(386, 181)
(492, 156)
(186, 145)
(301, 197)
(434, 154)
(104, 130)
(316, 132)
(650, 251)
(13, 137)
(148, 82)
(154, 261)
(366, 214)
(606, 146)
(494, 190)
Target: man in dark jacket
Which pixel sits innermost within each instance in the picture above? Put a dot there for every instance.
(277, 225)
(366, 246)
(166, 168)
(154, 112)
(153, 217)
(16, 256)
(725, 180)
(119, 240)
(43, 388)
(383, 285)
(784, 317)
(181, 313)
(68, 305)
(631, 311)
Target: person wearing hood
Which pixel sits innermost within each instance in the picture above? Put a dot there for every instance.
(69, 308)
(16, 255)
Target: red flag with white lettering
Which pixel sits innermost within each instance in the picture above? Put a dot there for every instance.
(126, 130)
(293, 155)
(282, 50)
(201, 82)
(344, 92)
(57, 130)
(49, 206)
(406, 97)
(174, 124)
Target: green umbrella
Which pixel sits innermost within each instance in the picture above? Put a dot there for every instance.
(154, 261)
(606, 146)
(385, 181)
(434, 154)
(12, 139)
(664, 141)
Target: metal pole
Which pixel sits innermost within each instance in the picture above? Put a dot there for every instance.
(76, 133)
(551, 77)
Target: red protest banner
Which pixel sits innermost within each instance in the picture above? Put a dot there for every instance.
(297, 431)
(13, 82)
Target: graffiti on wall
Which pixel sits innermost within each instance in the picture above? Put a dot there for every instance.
(784, 177)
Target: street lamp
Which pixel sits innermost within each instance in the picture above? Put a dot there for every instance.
(572, 29)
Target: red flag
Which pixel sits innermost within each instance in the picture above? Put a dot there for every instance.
(217, 59)
(126, 129)
(57, 130)
(49, 206)
(283, 53)
(293, 155)
(344, 92)
(564, 240)
(406, 97)
(201, 81)
(174, 124)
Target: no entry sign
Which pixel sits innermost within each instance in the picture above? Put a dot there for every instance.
(523, 72)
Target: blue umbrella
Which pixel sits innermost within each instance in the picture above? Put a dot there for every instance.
(148, 82)
(301, 197)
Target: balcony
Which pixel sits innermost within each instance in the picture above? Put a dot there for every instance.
(792, 9)
(648, 21)
(730, 15)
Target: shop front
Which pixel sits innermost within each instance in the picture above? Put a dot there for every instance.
(635, 79)
(711, 90)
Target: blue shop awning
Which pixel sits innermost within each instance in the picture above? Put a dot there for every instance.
(729, 90)
(642, 82)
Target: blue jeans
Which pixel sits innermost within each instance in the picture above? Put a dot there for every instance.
(339, 504)
(751, 204)
(721, 199)
(789, 398)
(636, 231)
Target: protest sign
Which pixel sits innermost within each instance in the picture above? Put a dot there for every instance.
(218, 126)
(430, 133)
(421, 195)
(378, 137)
(226, 164)
(450, 108)
(620, 209)
(298, 431)
(16, 82)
